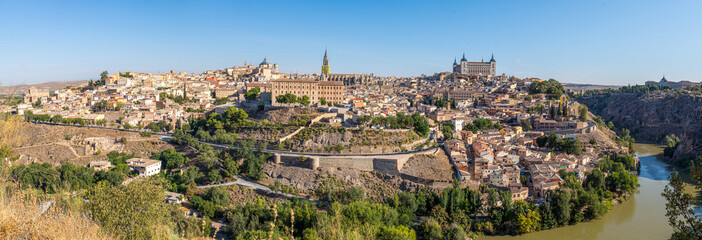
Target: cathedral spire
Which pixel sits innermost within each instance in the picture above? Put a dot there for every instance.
(325, 64)
(464, 57)
(492, 57)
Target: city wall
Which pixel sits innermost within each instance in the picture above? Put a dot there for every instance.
(388, 164)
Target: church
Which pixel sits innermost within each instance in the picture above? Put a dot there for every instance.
(347, 79)
(475, 68)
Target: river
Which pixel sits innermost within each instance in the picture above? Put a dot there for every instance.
(640, 217)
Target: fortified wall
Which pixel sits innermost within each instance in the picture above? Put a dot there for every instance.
(384, 163)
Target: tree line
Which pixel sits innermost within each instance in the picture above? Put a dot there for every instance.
(454, 213)
(415, 121)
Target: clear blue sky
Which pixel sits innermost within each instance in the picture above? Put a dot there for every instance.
(601, 42)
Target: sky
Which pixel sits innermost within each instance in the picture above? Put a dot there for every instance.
(595, 42)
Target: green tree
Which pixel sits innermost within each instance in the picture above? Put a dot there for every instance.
(594, 180)
(305, 100)
(214, 176)
(286, 98)
(529, 221)
(220, 101)
(170, 158)
(323, 101)
(550, 86)
(131, 211)
(582, 112)
(231, 168)
(430, 229)
(37, 104)
(217, 195)
(447, 130)
(679, 206)
(103, 78)
(252, 94)
(396, 232)
(526, 125)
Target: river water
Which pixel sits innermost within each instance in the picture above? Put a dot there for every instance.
(640, 217)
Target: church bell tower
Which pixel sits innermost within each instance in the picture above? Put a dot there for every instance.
(325, 66)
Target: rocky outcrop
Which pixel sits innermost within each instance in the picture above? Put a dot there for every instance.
(651, 116)
(329, 139)
(101, 144)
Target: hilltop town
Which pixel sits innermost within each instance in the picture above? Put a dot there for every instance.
(294, 134)
(489, 125)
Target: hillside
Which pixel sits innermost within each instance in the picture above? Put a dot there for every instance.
(653, 115)
(48, 86)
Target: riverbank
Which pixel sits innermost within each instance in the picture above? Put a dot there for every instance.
(642, 216)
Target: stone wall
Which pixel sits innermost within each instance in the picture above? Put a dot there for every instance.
(388, 164)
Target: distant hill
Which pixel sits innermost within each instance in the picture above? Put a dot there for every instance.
(653, 115)
(577, 86)
(50, 86)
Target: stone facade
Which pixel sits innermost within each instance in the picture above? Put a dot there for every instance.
(332, 91)
(674, 85)
(475, 68)
(34, 94)
(351, 79)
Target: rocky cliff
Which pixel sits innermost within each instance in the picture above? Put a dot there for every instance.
(651, 116)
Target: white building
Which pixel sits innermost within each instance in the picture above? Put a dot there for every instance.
(145, 167)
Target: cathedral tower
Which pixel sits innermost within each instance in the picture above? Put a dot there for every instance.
(325, 65)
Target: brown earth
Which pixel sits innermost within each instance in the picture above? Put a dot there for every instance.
(432, 172)
(430, 167)
(327, 139)
(268, 134)
(58, 144)
(240, 195)
(286, 115)
(651, 116)
(376, 186)
(48, 86)
(603, 138)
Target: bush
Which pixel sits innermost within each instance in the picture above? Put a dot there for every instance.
(144, 212)
(145, 134)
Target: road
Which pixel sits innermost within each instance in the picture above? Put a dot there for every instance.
(243, 182)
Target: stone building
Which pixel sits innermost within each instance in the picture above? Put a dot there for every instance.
(325, 65)
(351, 79)
(33, 94)
(346, 79)
(674, 85)
(225, 92)
(475, 68)
(332, 91)
(147, 167)
(265, 70)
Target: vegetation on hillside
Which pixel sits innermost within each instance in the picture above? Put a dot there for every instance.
(550, 86)
(680, 205)
(481, 124)
(415, 121)
(552, 141)
(455, 213)
(27, 215)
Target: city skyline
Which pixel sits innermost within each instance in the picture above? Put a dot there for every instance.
(599, 43)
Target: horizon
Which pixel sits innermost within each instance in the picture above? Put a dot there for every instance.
(601, 43)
